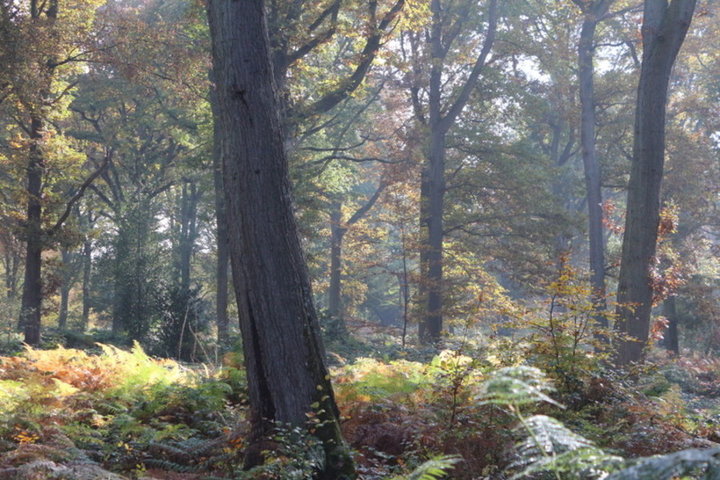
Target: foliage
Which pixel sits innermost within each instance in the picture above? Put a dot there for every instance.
(567, 339)
(433, 469)
(296, 455)
(551, 447)
(122, 409)
(182, 320)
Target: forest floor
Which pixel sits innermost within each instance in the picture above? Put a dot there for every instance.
(115, 414)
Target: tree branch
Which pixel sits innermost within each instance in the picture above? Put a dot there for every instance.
(472, 80)
(78, 195)
(351, 83)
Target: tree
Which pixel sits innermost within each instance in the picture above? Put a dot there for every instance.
(43, 42)
(593, 13)
(338, 229)
(284, 354)
(437, 104)
(664, 28)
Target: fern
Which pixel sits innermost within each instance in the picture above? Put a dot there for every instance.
(516, 386)
(703, 462)
(552, 447)
(433, 469)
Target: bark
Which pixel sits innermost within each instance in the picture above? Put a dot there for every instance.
(284, 356)
(593, 178)
(337, 233)
(87, 272)
(664, 29)
(11, 264)
(433, 321)
(63, 310)
(67, 281)
(31, 306)
(671, 340)
(404, 286)
(188, 231)
(221, 233)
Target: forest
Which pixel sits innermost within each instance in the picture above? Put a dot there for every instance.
(359, 239)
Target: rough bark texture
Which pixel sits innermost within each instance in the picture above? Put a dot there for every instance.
(221, 232)
(31, 305)
(586, 73)
(284, 355)
(663, 32)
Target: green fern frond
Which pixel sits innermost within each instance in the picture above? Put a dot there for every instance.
(517, 386)
(552, 447)
(435, 468)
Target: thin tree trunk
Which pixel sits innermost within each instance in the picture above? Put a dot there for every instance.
(188, 232)
(11, 260)
(67, 281)
(63, 311)
(593, 177)
(284, 355)
(87, 272)
(337, 233)
(664, 29)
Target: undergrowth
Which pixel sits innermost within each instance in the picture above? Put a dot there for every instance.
(473, 412)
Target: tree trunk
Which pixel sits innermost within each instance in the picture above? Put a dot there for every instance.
(593, 177)
(87, 272)
(432, 190)
(284, 356)
(188, 232)
(67, 281)
(30, 309)
(671, 340)
(221, 232)
(11, 260)
(663, 31)
(433, 321)
(63, 311)
(337, 233)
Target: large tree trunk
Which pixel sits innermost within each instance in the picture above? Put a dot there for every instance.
(593, 177)
(663, 31)
(433, 321)
(221, 231)
(284, 355)
(30, 309)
